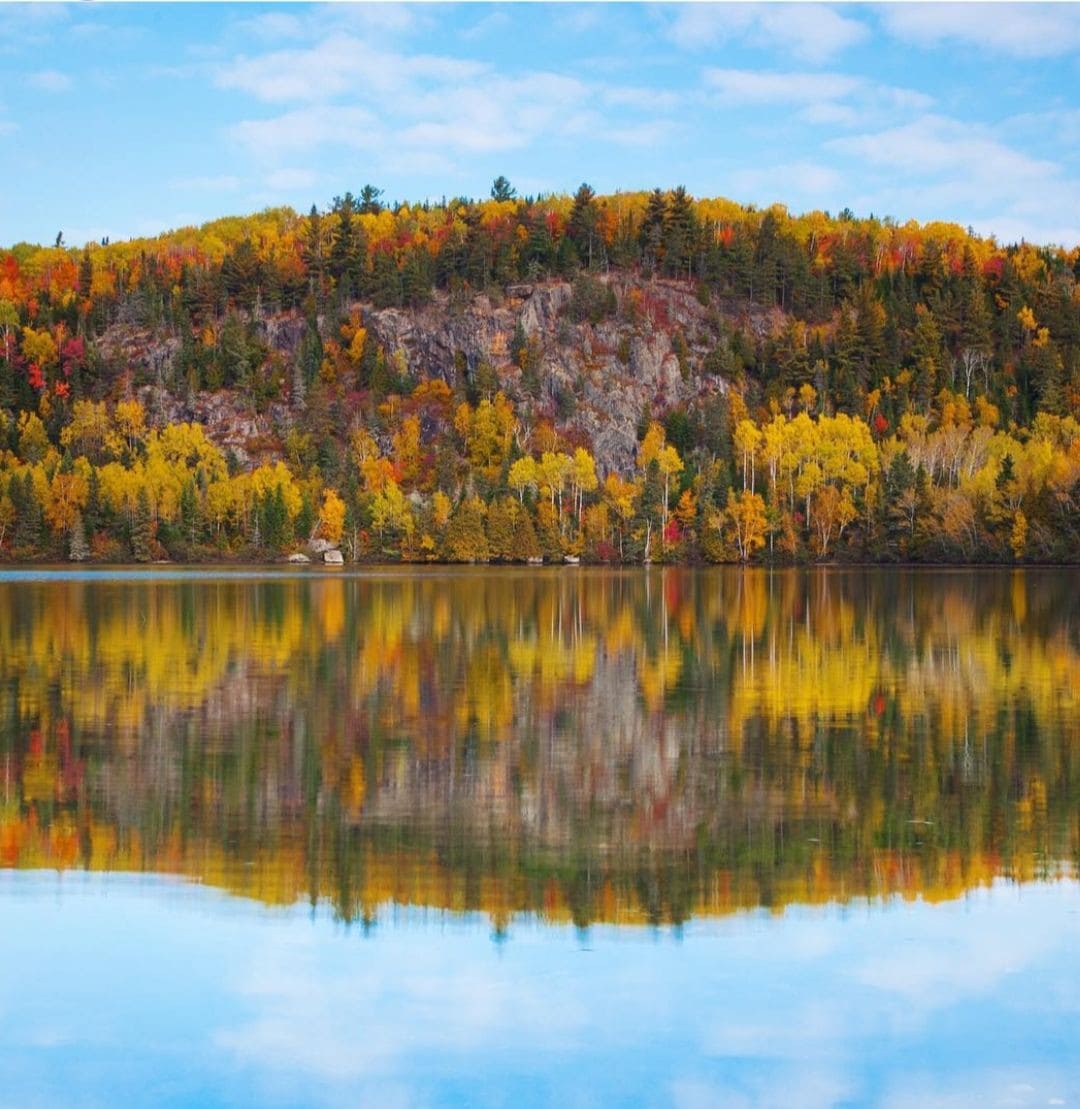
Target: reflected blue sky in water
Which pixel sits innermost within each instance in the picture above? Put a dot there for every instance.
(150, 990)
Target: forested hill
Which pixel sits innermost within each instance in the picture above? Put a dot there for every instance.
(642, 376)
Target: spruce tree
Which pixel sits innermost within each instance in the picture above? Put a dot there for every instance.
(465, 539)
(525, 545)
(142, 529)
(502, 523)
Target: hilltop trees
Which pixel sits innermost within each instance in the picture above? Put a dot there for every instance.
(868, 389)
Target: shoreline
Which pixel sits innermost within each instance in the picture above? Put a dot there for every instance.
(285, 567)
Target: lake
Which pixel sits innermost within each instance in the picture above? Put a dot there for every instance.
(574, 836)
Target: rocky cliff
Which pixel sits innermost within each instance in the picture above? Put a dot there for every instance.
(600, 352)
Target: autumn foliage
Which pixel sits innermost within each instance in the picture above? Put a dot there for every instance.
(861, 388)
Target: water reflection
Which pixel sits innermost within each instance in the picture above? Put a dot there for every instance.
(588, 746)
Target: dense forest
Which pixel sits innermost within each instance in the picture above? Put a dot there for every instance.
(838, 388)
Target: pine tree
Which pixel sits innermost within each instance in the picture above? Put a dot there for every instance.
(581, 226)
(502, 523)
(142, 529)
(348, 249)
(651, 232)
(680, 235)
(465, 539)
(312, 252)
(305, 519)
(501, 189)
(525, 545)
(28, 518)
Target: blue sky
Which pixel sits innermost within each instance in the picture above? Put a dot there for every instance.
(130, 990)
(128, 119)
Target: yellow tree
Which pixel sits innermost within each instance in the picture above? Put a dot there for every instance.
(332, 517)
(833, 511)
(621, 497)
(555, 469)
(407, 450)
(33, 438)
(670, 465)
(524, 474)
(39, 347)
(747, 440)
(583, 477)
(651, 445)
(745, 522)
(390, 511)
(88, 429)
(129, 432)
(66, 498)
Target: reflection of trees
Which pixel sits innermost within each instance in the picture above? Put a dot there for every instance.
(596, 746)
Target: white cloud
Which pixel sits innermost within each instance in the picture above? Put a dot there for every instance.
(426, 109)
(965, 172)
(819, 97)
(935, 144)
(577, 19)
(799, 182)
(749, 86)
(493, 21)
(339, 64)
(307, 128)
(272, 26)
(641, 134)
(812, 32)
(49, 80)
(385, 18)
(1021, 30)
(640, 98)
(287, 180)
(29, 25)
(1035, 229)
(315, 21)
(974, 1088)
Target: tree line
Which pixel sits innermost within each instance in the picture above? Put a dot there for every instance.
(914, 396)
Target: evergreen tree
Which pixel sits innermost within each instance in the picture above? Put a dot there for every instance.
(502, 524)
(525, 545)
(142, 529)
(312, 253)
(305, 519)
(29, 519)
(501, 189)
(466, 540)
(347, 248)
(651, 232)
(189, 511)
(897, 507)
(370, 205)
(680, 234)
(581, 228)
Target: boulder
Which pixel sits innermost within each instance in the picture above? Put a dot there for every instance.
(299, 557)
(333, 558)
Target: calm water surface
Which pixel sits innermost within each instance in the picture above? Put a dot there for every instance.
(575, 837)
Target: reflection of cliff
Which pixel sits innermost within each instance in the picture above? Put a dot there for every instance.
(608, 745)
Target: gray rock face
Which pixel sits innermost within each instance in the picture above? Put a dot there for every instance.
(595, 380)
(333, 558)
